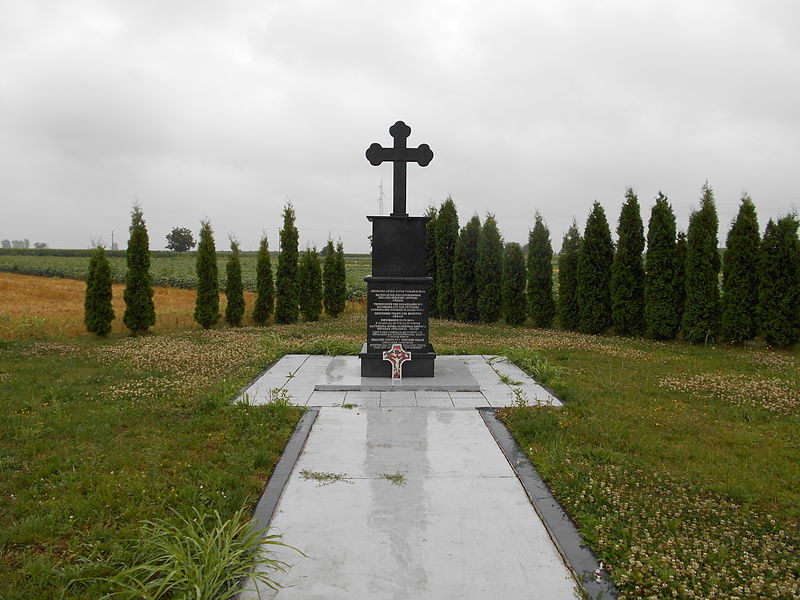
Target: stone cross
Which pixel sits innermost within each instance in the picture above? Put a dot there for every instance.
(399, 154)
(396, 356)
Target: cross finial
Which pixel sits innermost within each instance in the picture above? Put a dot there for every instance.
(399, 154)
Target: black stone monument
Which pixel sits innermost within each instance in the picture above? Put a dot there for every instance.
(397, 290)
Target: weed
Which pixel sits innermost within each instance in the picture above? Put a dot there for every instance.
(349, 405)
(323, 478)
(508, 381)
(396, 478)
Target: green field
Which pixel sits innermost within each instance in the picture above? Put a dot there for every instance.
(168, 269)
(680, 464)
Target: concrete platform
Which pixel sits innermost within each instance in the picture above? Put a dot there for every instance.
(461, 381)
(456, 523)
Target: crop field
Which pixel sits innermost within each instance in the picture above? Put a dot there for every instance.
(680, 464)
(167, 269)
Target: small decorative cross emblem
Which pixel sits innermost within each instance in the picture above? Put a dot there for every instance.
(396, 357)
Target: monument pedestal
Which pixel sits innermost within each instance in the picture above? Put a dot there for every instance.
(397, 297)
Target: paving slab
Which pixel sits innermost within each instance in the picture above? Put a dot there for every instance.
(344, 373)
(459, 524)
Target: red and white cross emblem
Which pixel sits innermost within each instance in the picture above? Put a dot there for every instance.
(396, 356)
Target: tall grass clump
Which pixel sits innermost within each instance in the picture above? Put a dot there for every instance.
(199, 557)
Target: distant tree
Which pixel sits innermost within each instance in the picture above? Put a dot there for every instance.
(627, 270)
(661, 283)
(40, 245)
(701, 311)
(180, 239)
(594, 273)
(680, 276)
(265, 288)
(430, 261)
(515, 305)
(287, 307)
(740, 268)
(6, 244)
(489, 271)
(779, 290)
(206, 306)
(465, 261)
(140, 312)
(541, 304)
(568, 316)
(310, 278)
(98, 313)
(234, 291)
(446, 239)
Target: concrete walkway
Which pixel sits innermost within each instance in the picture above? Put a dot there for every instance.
(404, 498)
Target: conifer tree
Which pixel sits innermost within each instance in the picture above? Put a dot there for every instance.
(680, 277)
(446, 239)
(740, 268)
(779, 288)
(98, 313)
(234, 291)
(701, 310)
(265, 288)
(568, 316)
(334, 294)
(465, 289)
(310, 278)
(594, 273)
(206, 306)
(430, 261)
(340, 296)
(489, 271)
(140, 313)
(627, 270)
(541, 304)
(287, 306)
(515, 304)
(660, 282)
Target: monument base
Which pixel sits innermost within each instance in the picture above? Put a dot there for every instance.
(420, 365)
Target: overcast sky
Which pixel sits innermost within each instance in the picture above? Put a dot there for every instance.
(226, 110)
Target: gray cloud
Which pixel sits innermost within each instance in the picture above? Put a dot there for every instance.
(225, 111)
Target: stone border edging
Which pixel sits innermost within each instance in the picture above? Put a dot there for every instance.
(562, 530)
(265, 508)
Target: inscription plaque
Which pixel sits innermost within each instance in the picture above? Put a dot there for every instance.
(397, 315)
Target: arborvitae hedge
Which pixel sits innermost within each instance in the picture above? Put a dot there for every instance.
(541, 304)
(680, 276)
(206, 307)
(310, 278)
(234, 291)
(140, 312)
(627, 270)
(779, 290)
(594, 273)
(430, 261)
(287, 306)
(568, 316)
(740, 268)
(513, 285)
(701, 311)
(489, 271)
(265, 288)
(660, 283)
(465, 289)
(98, 313)
(446, 239)
(334, 295)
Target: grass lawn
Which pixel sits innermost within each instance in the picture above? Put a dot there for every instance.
(681, 464)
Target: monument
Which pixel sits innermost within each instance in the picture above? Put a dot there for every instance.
(398, 288)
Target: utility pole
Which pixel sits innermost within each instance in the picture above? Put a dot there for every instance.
(380, 198)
